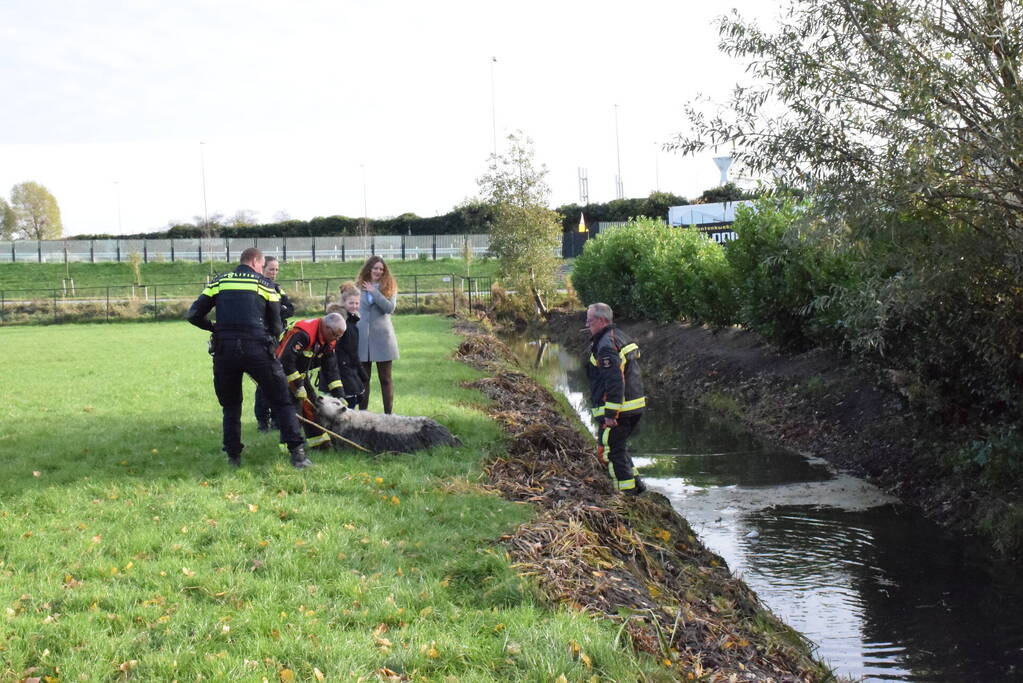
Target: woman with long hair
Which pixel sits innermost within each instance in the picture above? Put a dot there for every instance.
(377, 343)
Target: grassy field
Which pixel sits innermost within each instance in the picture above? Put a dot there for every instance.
(21, 276)
(130, 550)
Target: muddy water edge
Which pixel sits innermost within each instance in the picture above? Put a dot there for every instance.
(632, 560)
(883, 592)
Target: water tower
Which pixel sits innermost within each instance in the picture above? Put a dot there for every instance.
(723, 163)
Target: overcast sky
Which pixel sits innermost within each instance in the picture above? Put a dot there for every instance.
(295, 103)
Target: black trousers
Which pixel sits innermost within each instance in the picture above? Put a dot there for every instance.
(233, 358)
(264, 413)
(614, 442)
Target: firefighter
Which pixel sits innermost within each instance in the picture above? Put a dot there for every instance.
(616, 394)
(244, 334)
(306, 345)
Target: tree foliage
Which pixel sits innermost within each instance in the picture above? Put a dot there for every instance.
(7, 221)
(36, 214)
(874, 105)
(903, 121)
(525, 233)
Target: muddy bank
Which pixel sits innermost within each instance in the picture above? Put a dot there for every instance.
(815, 403)
(633, 560)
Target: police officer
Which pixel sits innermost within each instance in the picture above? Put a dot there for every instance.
(264, 416)
(244, 335)
(616, 394)
(306, 345)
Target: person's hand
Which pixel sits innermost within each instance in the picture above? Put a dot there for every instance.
(610, 422)
(308, 410)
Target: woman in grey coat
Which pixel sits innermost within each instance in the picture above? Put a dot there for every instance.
(377, 343)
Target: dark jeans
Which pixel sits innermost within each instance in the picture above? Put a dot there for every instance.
(233, 358)
(615, 440)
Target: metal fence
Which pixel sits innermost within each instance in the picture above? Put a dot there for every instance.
(340, 248)
(427, 293)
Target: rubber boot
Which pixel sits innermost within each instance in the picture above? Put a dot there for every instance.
(298, 459)
(234, 460)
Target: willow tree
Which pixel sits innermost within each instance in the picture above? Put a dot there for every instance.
(904, 120)
(525, 232)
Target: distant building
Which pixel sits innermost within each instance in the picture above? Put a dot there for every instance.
(710, 219)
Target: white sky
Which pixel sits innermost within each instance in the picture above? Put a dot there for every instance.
(106, 102)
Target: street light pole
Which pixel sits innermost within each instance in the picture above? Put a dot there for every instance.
(618, 150)
(493, 104)
(117, 196)
(365, 211)
(202, 168)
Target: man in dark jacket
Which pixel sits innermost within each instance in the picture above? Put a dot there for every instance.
(306, 345)
(244, 334)
(264, 415)
(616, 394)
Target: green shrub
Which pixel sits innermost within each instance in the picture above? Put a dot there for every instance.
(787, 263)
(648, 270)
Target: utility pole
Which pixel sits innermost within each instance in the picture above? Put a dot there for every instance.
(205, 209)
(619, 187)
(493, 104)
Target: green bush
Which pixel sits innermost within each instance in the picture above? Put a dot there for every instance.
(648, 270)
(787, 264)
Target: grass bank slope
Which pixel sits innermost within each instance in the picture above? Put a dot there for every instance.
(128, 548)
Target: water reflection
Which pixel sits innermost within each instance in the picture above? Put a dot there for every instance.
(885, 594)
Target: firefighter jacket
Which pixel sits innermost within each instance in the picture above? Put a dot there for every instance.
(248, 306)
(303, 349)
(616, 385)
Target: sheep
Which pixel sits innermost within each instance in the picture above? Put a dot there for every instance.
(380, 432)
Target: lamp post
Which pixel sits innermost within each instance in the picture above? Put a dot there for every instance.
(202, 168)
(619, 188)
(493, 104)
(117, 197)
(365, 211)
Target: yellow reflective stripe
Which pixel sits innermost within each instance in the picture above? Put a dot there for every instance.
(598, 411)
(635, 403)
(308, 354)
(295, 375)
(336, 384)
(631, 404)
(317, 440)
(300, 392)
(269, 294)
(605, 436)
(611, 470)
(628, 348)
(626, 484)
(593, 361)
(211, 291)
(240, 286)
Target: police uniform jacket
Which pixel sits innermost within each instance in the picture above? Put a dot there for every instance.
(303, 349)
(248, 307)
(616, 385)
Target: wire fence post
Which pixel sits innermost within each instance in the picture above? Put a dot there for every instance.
(54, 305)
(108, 304)
(454, 302)
(415, 286)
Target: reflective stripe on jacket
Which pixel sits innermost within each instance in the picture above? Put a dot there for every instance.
(616, 384)
(247, 303)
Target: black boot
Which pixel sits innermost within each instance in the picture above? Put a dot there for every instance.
(298, 459)
(234, 460)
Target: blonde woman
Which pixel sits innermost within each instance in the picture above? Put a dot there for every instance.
(377, 343)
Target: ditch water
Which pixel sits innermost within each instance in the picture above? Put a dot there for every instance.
(885, 594)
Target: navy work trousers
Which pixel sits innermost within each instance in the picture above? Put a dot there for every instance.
(233, 358)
